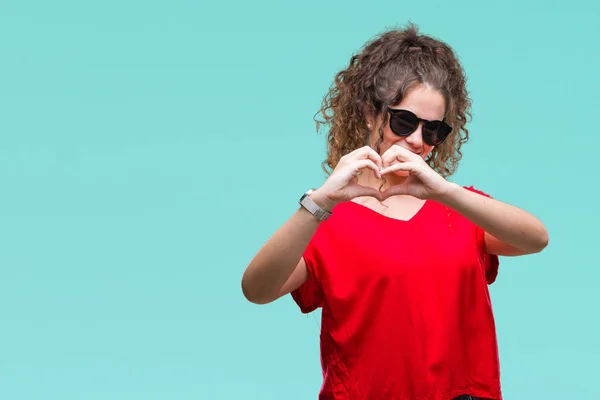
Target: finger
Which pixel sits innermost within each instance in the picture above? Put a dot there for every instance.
(403, 166)
(360, 164)
(366, 152)
(397, 153)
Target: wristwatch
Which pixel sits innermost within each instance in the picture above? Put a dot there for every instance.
(312, 207)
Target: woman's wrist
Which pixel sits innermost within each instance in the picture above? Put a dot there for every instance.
(322, 200)
(447, 193)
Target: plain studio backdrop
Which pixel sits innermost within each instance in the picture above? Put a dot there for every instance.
(148, 150)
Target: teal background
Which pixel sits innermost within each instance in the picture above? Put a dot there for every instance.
(148, 150)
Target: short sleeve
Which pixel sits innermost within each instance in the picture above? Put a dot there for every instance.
(309, 296)
(491, 262)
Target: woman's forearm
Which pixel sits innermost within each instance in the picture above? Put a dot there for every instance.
(274, 263)
(505, 222)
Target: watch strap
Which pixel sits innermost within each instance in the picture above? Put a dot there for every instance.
(312, 207)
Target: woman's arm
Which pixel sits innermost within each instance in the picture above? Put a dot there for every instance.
(510, 231)
(278, 267)
(271, 272)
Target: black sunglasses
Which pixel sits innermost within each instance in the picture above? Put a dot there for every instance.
(404, 123)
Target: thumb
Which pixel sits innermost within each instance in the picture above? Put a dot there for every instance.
(368, 191)
(395, 191)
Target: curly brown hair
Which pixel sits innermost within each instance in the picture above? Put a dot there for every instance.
(389, 65)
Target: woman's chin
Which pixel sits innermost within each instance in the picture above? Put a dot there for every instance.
(402, 174)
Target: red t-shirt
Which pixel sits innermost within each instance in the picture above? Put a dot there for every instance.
(412, 323)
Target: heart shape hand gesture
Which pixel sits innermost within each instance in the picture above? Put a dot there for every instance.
(422, 181)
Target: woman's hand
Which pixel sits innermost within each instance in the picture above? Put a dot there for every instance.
(422, 181)
(341, 184)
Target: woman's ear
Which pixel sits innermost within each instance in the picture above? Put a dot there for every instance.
(369, 117)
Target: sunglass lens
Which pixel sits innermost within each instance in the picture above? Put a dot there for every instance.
(435, 132)
(403, 123)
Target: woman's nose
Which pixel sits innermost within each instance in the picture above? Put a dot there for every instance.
(415, 139)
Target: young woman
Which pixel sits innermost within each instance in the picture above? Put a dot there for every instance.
(398, 258)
